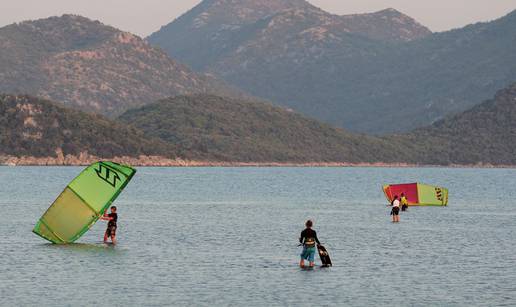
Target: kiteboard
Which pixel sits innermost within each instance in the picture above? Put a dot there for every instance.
(325, 256)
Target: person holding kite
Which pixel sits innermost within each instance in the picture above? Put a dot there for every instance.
(111, 226)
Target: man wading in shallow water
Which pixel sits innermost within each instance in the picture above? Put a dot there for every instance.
(395, 212)
(308, 239)
(111, 226)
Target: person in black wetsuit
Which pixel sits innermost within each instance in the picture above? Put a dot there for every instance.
(111, 226)
(308, 239)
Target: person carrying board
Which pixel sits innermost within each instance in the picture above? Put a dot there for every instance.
(308, 239)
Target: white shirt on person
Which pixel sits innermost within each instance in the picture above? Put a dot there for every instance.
(396, 203)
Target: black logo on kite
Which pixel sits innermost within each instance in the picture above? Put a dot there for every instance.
(439, 194)
(108, 175)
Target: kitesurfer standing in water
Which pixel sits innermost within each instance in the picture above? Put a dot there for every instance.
(111, 226)
(404, 202)
(308, 239)
(395, 212)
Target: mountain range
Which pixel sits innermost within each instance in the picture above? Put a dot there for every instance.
(218, 29)
(220, 129)
(376, 73)
(382, 73)
(96, 68)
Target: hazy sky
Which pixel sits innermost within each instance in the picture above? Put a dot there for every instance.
(146, 16)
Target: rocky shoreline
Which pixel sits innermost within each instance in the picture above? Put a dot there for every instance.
(157, 161)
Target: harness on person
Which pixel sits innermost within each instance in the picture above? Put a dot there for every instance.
(309, 242)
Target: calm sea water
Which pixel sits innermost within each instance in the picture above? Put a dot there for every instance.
(228, 236)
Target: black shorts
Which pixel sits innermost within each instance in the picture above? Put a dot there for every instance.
(395, 211)
(111, 231)
(404, 207)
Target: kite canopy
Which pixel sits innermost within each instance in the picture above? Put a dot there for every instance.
(418, 194)
(83, 201)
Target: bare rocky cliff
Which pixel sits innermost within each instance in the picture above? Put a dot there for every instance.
(218, 29)
(85, 64)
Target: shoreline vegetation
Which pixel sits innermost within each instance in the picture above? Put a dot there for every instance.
(207, 130)
(157, 161)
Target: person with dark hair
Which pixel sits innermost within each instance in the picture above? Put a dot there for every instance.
(308, 239)
(111, 226)
(395, 212)
(404, 202)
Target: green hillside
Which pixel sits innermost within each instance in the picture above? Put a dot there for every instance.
(34, 127)
(218, 129)
(484, 134)
(226, 129)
